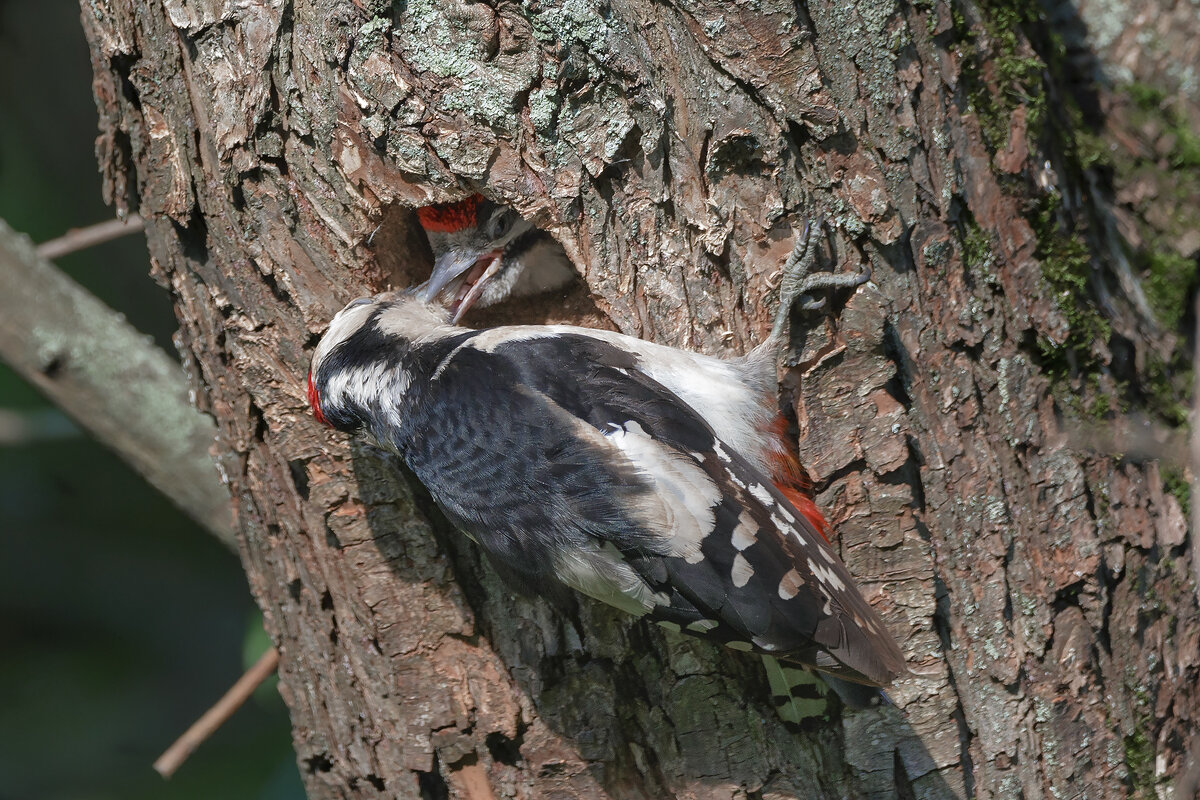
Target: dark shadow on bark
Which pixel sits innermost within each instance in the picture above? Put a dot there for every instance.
(620, 690)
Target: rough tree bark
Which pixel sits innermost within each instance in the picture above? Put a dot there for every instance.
(1043, 595)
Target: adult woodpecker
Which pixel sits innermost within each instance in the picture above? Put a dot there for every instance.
(634, 473)
(485, 253)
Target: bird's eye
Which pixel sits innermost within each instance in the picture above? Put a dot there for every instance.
(500, 225)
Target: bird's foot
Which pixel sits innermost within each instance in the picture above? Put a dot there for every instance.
(799, 285)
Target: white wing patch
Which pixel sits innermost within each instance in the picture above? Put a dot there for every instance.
(726, 393)
(687, 494)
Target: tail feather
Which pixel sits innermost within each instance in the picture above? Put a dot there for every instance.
(798, 694)
(801, 695)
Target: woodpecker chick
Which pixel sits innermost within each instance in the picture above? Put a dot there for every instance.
(587, 460)
(485, 253)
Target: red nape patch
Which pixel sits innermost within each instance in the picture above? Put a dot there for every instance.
(451, 217)
(314, 400)
(792, 480)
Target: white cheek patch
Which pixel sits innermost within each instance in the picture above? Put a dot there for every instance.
(344, 324)
(685, 493)
(373, 386)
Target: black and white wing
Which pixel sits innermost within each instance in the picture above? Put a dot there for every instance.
(571, 467)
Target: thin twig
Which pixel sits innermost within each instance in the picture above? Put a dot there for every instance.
(212, 719)
(83, 238)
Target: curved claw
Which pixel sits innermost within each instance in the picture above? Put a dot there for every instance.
(797, 284)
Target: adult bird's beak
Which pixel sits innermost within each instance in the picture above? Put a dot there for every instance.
(462, 277)
(446, 270)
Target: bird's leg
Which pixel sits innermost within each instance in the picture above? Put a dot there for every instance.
(798, 282)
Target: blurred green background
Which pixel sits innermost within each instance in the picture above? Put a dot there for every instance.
(120, 620)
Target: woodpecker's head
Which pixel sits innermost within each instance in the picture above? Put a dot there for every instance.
(484, 253)
(357, 374)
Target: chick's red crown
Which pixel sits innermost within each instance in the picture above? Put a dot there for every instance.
(450, 217)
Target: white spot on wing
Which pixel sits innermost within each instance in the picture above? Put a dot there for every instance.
(734, 479)
(784, 527)
(789, 584)
(826, 576)
(741, 572)
(746, 532)
(761, 494)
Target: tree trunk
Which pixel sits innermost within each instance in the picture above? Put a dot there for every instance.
(1043, 594)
